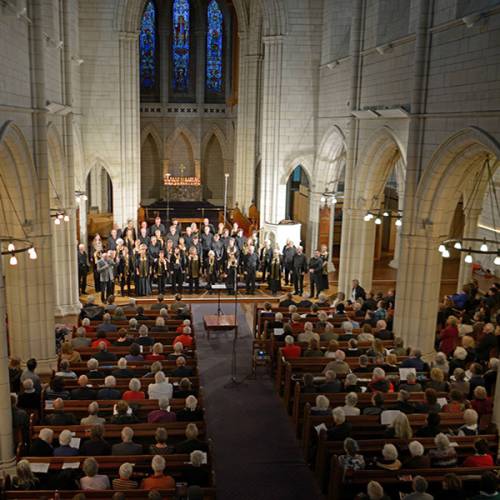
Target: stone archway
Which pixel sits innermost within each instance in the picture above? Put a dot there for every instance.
(451, 169)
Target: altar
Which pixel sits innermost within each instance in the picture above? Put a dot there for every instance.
(182, 188)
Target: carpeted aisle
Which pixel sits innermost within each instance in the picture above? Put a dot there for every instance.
(256, 454)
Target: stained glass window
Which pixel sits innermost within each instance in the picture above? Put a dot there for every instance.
(147, 45)
(214, 47)
(180, 44)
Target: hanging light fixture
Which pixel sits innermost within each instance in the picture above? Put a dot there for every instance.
(66, 218)
(398, 222)
(484, 246)
(386, 213)
(15, 246)
(446, 253)
(13, 260)
(378, 220)
(458, 245)
(441, 248)
(32, 253)
(497, 259)
(468, 258)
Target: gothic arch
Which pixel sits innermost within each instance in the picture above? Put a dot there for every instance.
(97, 161)
(195, 146)
(151, 130)
(452, 167)
(214, 130)
(306, 162)
(20, 179)
(332, 148)
(274, 16)
(377, 160)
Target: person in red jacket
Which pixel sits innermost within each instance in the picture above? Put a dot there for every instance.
(185, 338)
(448, 338)
(481, 402)
(481, 458)
(291, 350)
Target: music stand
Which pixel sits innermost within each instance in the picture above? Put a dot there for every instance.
(219, 287)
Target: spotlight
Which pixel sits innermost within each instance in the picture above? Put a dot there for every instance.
(386, 214)
(446, 253)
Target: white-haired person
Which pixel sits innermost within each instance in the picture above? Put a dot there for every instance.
(470, 427)
(161, 387)
(93, 417)
(163, 413)
(123, 481)
(291, 350)
(341, 429)
(158, 480)
(42, 445)
(350, 408)
(122, 371)
(197, 474)
(93, 367)
(127, 446)
(92, 480)
(159, 325)
(144, 339)
(322, 407)
(441, 362)
(109, 391)
(351, 383)
(307, 334)
(389, 459)
(338, 365)
(379, 383)
(178, 351)
(134, 392)
(64, 449)
(418, 458)
(444, 455)
(375, 491)
(24, 478)
(156, 353)
(191, 411)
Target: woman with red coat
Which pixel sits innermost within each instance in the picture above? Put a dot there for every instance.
(448, 338)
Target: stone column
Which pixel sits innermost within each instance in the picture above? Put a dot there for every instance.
(314, 216)
(246, 133)
(30, 305)
(271, 117)
(129, 183)
(7, 456)
(417, 298)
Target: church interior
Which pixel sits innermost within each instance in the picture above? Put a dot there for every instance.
(250, 249)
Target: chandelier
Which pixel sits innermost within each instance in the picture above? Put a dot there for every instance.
(477, 246)
(379, 215)
(15, 246)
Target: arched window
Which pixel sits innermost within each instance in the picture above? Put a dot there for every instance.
(181, 44)
(148, 47)
(214, 47)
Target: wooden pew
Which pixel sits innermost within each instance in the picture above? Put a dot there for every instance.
(87, 352)
(208, 494)
(122, 383)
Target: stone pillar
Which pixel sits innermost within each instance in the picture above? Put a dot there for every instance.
(417, 298)
(129, 183)
(246, 133)
(269, 203)
(7, 456)
(30, 305)
(314, 216)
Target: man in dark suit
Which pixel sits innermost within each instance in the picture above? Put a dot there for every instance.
(357, 291)
(181, 369)
(83, 391)
(83, 268)
(381, 331)
(341, 428)
(299, 269)
(93, 366)
(59, 416)
(250, 269)
(127, 446)
(157, 226)
(122, 371)
(42, 445)
(331, 384)
(315, 273)
(109, 390)
(104, 356)
(106, 325)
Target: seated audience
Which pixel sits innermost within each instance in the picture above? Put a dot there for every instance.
(415, 361)
(122, 371)
(481, 402)
(456, 404)
(185, 338)
(389, 458)
(158, 480)
(341, 429)
(181, 369)
(122, 414)
(69, 354)
(160, 446)
(123, 340)
(134, 391)
(83, 391)
(331, 383)
(64, 449)
(103, 355)
(59, 416)
(56, 390)
(322, 407)
(127, 446)
(196, 474)
(123, 481)
(24, 478)
(338, 365)
(444, 455)
(419, 485)
(191, 442)
(109, 390)
(351, 383)
(417, 458)
(458, 381)
(313, 350)
(92, 480)
(156, 353)
(350, 409)
(191, 411)
(377, 405)
(65, 371)
(134, 353)
(159, 325)
(291, 350)
(437, 381)
(80, 341)
(163, 414)
(308, 386)
(93, 417)
(144, 338)
(352, 460)
(42, 445)
(432, 427)
(29, 399)
(411, 384)
(470, 427)
(379, 383)
(93, 367)
(400, 428)
(160, 388)
(488, 487)
(481, 457)
(96, 445)
(178, 351)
